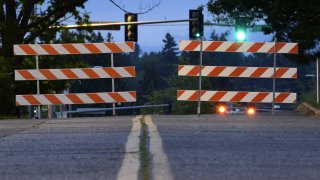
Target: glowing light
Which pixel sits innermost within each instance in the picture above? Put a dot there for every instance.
(251, 111)
(222, 109)
(240, 36)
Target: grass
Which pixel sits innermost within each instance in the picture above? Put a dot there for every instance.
(144, 150)
(8, 117)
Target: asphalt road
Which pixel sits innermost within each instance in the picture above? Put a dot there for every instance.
(162, 147)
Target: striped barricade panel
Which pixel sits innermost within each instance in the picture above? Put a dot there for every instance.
(232, 71)
(76, 48)
(236, 96)
(225, 46)
(80, 73)
(80, 98)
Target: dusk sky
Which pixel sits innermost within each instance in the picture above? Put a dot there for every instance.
(150, 36)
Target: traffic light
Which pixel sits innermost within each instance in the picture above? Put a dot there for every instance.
(131, 31)
(196, 26)
(241, 29)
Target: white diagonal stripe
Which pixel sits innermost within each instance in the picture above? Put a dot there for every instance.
(124, 47)
(37, 74)
(85, 98)
(64, 99)
(82, 49)
(183, 45)
(102, 47)
(42, 99)
(248, 72)
(266, 47)
(227, 71)
(287, 48)
(127, 96)
(245, 46)
(18, 76)
(249, 97)
(207, 70)
(207, 95)
(228, 96)
(122, 72)
(206, 44)
(101, 73)
(186, 95)
(58, 73)
(289, 73)
(224, 46)
(291, 98)
(38, 48)
(106, 97)
(60, 49)
(18, 51)
(268, 98)
(185, 70)
(80, 73)
(21, 100)
(268, 73)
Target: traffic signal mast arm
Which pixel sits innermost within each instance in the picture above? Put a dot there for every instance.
(102, 24)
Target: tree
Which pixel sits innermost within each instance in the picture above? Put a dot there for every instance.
(294, 21)
(19, 23)
(170, 46)
(22, 23)
(168, 57)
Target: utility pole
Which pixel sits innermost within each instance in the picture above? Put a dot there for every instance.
(317, 64)
(113, 88)
(200, 76)
(274, 76)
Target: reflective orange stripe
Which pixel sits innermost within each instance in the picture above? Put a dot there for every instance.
(117, 97)
(28, 50)
(92, 48)
(130, 70)
(213, 46)
(48, 74)
(238, 71)
(53, 99)
(192, 45)
(218, 95)
(50, 50)
(25, 74)
(71, 49)
(96, 98)
(32, 100)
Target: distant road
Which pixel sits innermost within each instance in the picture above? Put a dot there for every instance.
(285, 146)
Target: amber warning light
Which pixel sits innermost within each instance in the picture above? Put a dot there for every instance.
(251, 111)
(222, 109)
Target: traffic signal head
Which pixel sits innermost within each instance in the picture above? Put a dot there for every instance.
(131, 31)
(241, 30)
(195, 26)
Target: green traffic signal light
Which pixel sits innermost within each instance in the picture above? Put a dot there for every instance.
(196, 24)
(241, 35)
(241, 29)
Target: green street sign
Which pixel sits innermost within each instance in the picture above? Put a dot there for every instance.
(258, 28)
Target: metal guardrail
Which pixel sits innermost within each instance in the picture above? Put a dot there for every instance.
(64, 114)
